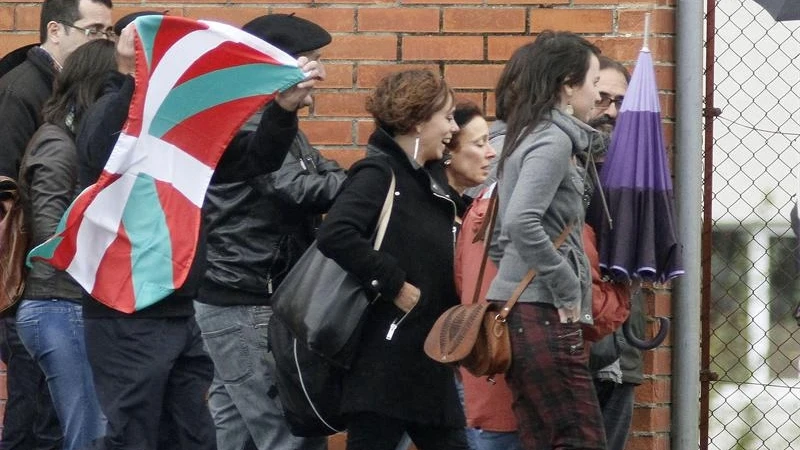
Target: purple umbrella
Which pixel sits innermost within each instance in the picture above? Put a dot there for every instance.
(641, 240)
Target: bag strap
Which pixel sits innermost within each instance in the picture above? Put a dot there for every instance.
(485, 232)
(526, 280)
(386, 212)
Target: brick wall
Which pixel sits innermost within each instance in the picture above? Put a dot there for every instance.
(467, 41)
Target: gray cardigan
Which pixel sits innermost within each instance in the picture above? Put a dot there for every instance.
(540, 193)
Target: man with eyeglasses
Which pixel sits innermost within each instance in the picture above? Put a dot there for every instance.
(30, 422)
(616, 366)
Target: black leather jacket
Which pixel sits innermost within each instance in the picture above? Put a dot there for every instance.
(258, 228)
(48, 183)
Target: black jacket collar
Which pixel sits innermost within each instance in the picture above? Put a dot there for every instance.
(381, 143)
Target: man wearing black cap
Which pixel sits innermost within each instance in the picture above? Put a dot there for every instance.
(30, 422)
(257, 229)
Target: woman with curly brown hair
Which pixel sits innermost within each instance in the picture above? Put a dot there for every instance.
(393, 387)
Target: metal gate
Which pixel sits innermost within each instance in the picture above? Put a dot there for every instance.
(750, 378)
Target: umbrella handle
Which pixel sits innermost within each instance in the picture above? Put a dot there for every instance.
(641, 344)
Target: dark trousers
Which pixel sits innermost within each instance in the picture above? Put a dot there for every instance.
(554, 399)
(373, 431)
(152, 377)
(616, 402)
(30, 421)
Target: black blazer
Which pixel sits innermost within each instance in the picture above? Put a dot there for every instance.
(395, 377)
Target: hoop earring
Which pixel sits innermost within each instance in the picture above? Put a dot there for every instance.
(569, 109)
(416, 148)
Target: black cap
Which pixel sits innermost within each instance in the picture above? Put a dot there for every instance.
(127, 19)
(292, 34)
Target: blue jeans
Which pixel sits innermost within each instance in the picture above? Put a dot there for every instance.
(493, 440)
(30, 421)
(52, 332)
(243, 398)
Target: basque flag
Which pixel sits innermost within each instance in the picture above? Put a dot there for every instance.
(130, 238)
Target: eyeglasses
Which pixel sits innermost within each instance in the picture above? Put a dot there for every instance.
(606, 101)
(94, 32)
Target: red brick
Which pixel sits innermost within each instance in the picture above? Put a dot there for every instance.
(669, 134)
(543, 3)
(477, 76)
(261, 2)
(14, 41)
(477, 98)
(361, 46)
(364, 129)
(334, 20)
(328, 132)
(650, 441)
(484, 20)
(355, 1)
(667, 100)
(658, 361)
(187, 2)
(345, 158)
(575, 20)
(442, 2)
(236, 16)
(490, 107)
(7, 18)
(27, 18)
(665, 77)
(651, 419)
(442, 48)
(661, 21)
(337, 75)
(500, 48)
(661, 303)
(653, 390)
(368, 75)
(626, 50)
(406, 20)
(345, 104)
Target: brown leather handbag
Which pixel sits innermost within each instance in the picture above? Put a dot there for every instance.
(13, 244)
(476, 336)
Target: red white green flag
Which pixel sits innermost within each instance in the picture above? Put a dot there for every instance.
(130, 238)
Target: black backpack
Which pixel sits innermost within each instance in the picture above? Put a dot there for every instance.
(309, 387)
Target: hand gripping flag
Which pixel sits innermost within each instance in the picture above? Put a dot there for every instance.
(130, 238)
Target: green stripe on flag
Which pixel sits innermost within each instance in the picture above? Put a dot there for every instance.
(218, 87)
(48, 248)
(151, 244)
(147, 27)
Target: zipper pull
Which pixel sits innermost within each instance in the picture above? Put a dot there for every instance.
(392, 329)
(269, 285)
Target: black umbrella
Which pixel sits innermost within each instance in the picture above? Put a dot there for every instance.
(781, 9)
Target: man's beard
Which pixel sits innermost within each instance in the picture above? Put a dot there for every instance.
(603, 123)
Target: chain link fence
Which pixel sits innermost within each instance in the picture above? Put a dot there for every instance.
(753, 338)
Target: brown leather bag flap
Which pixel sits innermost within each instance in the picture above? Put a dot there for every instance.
(454, 334)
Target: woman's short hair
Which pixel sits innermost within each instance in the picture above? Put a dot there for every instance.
(463, 114)
(404, 99)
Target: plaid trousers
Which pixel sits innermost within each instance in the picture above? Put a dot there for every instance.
(554, 399)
